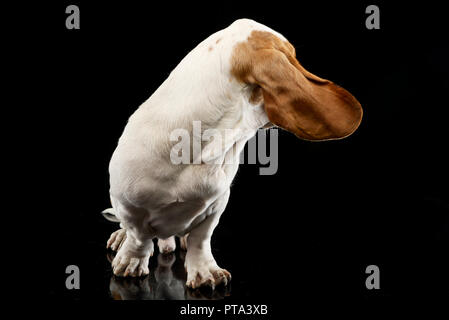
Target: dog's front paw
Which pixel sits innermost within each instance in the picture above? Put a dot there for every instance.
(125, 265)
(207, 275)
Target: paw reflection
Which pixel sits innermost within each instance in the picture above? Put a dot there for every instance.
(130, 288)
(167, 281)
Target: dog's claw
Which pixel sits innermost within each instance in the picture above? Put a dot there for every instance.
(210, 277)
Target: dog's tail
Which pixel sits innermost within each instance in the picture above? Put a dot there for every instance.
(109, 214)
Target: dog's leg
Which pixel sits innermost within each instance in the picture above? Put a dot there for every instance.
(166, 245)
(133, 256)
(136, 246)
(202, 269)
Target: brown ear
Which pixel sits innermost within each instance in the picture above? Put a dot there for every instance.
(295, 99)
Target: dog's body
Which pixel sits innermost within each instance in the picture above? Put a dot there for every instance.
(153, 197)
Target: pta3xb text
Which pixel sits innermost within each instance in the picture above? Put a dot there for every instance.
(232, 309)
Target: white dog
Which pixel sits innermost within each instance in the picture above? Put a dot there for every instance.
(243, 78)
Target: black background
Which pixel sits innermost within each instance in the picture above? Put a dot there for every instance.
(305, 234)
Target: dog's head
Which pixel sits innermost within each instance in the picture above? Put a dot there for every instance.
(294, 99)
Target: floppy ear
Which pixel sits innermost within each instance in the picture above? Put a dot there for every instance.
(302, 103)
(310, 107)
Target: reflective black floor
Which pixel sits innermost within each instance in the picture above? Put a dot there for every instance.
(319, 262)
(166, 281)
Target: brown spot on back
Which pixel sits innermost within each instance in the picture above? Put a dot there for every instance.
(210, 48)
(218, 40)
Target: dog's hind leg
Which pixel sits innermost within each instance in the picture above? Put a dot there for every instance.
(166, 245)
(183, 242)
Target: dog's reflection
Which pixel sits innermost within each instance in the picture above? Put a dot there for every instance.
(166, 282)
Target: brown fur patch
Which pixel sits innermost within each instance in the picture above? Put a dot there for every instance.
(256, 95)
(308, 106)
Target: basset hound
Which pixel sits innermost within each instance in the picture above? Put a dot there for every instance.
(240, 79)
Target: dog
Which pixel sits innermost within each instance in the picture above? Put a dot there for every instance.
(240, 79)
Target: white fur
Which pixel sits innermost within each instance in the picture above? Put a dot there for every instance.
(151, 196)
